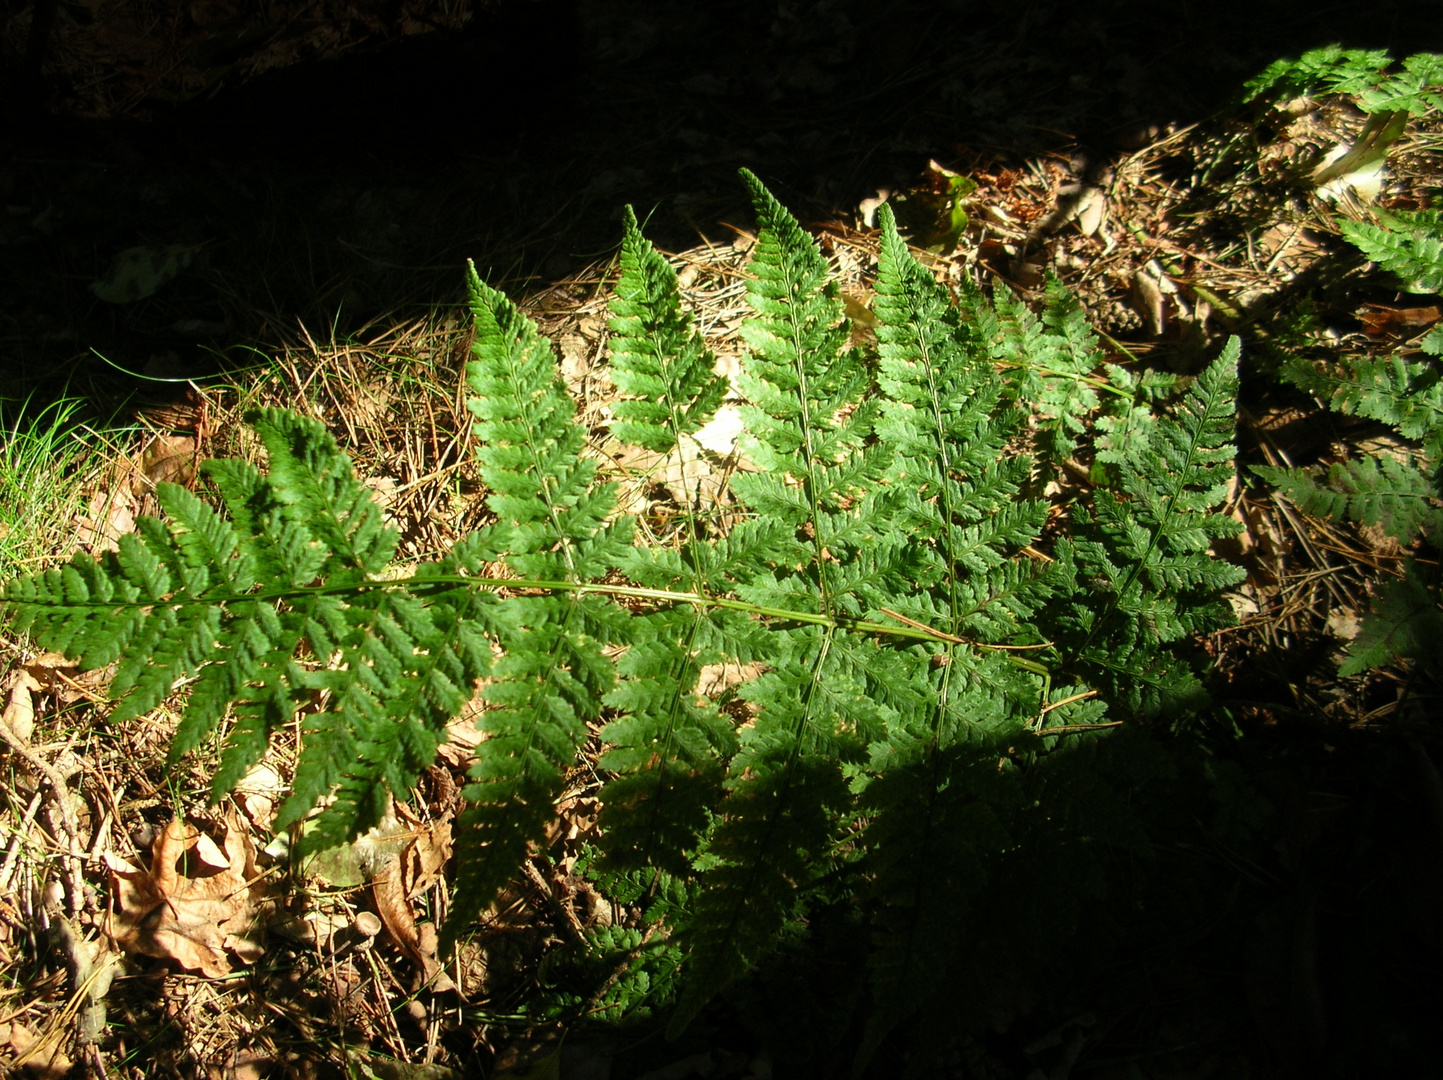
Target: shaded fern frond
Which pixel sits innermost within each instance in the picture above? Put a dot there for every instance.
(1331, 69)
(1405, 620)
(1397, 496)
(1359, 73)
(1138, 564)
(1047, 359)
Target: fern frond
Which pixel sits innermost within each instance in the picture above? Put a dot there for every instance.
(1330, 69)
(1397, 496)
(1404, 621)
(667, 747)
(1417, 89)
(1138, 565)
(1408, 243)
(1048, 359)
(774, 826)
(231, 606)
(657, 355)
(809, 421)
(1390, 390)
(555, 519)
(933, 827)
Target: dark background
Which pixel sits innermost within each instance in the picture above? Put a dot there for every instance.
(346, 190)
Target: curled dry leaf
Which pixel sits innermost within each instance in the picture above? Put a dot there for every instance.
(196, 902)
(166, 459)
(393, 890)
(109, 516)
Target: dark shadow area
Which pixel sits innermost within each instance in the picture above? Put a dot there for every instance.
(342, 192)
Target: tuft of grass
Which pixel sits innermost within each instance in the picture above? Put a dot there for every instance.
(46, 457)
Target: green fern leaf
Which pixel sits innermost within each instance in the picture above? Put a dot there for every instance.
(1138, 565)
(1408, 243)
(1330, 69)
(1383, 491)
(1404, 622)
(1048, 360)
(554, 675)
(657, 356)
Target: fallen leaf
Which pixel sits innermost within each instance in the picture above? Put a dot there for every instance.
(417, 940)
(719, 435)
(423, 862)
(19, 713)
(109, 516)
(197, 900)
(41, 1056)
(1378, 319)
(166, 459)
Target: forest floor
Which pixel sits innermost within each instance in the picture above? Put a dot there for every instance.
(275, 276)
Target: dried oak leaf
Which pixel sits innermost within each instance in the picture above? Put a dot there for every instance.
(195, 903)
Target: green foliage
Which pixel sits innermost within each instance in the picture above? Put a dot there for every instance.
(923, 640)
(42, 451)
(1399, 494)
(657, 357)
(1049, 360)
(1359, 73)
(267, 610)
(1141, 552)
(1407, 243)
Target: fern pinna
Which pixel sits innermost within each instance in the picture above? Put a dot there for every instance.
(889, 569)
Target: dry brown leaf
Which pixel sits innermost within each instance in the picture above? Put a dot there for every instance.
(388, 891)
(1379, 319)
(40, 1056)
(463, 734)
(168, 459)
(19, 713)
(423, 862)
(418, 868)
(60, 676)
(258, 791)
(196, 901)
(715, 679)
(109, 516)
